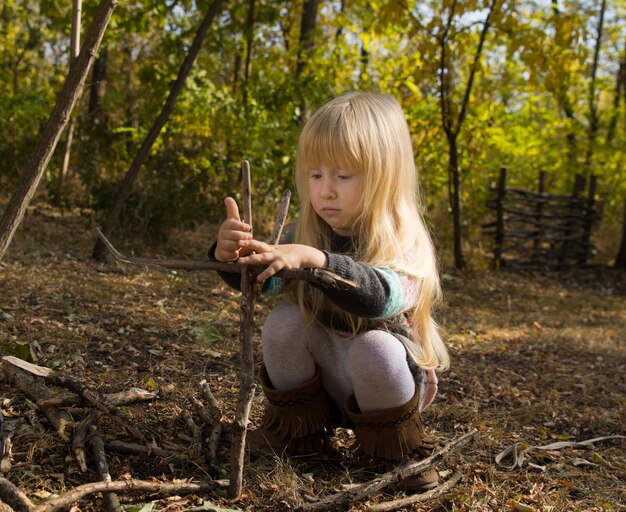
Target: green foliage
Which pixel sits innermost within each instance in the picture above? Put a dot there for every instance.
(528, 111)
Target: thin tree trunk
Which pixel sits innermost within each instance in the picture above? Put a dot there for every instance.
(308, 23)
(97, 91)
(77, 7)
(593, 106)
(620, 261)
(249, 43)
(452, 127)
(620, 79)
(99, 250)
(49, 138)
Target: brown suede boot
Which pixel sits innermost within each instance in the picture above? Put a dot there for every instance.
(392, 435)
(295, 421)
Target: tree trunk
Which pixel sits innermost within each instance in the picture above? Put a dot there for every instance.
(306, 46)
(100, 250)
(455, 200)
(593, 106)
(49, 138)
(249, 44)
(620, 79)
(620, 261)
(97, 91)
(77, 7)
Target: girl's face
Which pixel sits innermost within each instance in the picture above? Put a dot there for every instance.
(336, 196)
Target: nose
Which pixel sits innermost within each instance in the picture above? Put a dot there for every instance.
(328, 191)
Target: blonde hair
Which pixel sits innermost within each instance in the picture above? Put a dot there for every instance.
(368, 133)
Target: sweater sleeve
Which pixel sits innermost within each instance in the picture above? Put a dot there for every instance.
(382, 292)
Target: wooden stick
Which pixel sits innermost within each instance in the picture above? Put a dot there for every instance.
(12, 496)
(196, 433)
(80, 438)
(213, 442)
(111, 501)
(354, 495)
(319, 276)
(281, 218)
(37, 390)
(246, 372)
(6, 450)
(215, 411)
(142, 449)
(129, 396)
(418, 498)
(69, 497)
(89, 394)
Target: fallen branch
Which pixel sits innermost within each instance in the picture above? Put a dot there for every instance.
(91, 395)
(80, 438)
(196, 433)
(404, 470)
(37, 390)
(519, 451)
(212, 445)
(111, 501)
(214, 413)
(142, 449)
(67, 498)
(12, 496)
(129, 396)
(418, 498)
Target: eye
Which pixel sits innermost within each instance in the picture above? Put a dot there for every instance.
(344, 176)
(315, 175)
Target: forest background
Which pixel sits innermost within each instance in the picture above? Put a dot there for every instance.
(528, 85)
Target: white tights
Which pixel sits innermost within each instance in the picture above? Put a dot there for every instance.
(372, 365)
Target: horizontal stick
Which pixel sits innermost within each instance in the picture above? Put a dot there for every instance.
(314, 275)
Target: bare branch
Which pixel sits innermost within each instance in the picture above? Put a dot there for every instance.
(418, 498)
(317, 276)
(281, 218)
(404, 470)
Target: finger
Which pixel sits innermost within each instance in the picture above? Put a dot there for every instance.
(256, 246)
(232, 210)
(269, 272)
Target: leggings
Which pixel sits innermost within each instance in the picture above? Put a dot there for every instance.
(372, 365)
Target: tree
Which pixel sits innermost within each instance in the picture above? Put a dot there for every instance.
(48, 140)
(100, 250)
(451, 120)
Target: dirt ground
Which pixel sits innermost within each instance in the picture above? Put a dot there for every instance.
(536, 359)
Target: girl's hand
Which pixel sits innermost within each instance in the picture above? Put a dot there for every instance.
(231, 232)
(278, 257)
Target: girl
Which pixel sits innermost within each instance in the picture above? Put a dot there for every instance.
(349, 358)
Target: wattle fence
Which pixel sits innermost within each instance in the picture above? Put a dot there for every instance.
(534, 229)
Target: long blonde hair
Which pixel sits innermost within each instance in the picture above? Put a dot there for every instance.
(368, 133)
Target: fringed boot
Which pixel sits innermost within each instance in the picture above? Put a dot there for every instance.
(391, 435)
(296, 421)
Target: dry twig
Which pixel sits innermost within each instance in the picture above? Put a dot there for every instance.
(111, 501)
(445, 487)
(354, 495)
(89, 394)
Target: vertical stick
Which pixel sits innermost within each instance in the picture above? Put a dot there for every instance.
(246, 374)
(590, 214)
(538, 236)
(500, 219)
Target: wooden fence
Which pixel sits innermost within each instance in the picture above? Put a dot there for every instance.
(540, 230)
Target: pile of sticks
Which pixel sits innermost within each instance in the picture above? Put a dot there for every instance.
(541, 230)
(34, 380)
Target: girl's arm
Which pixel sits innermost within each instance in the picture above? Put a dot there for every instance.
(381, 293)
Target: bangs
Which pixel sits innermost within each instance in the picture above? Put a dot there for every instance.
(329, 139)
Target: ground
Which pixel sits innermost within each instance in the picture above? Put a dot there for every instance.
(536, 359)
